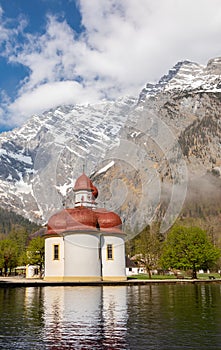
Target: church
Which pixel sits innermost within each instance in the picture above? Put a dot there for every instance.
(84, 243)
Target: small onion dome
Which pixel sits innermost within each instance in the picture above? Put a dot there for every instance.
(94, 191)
(76, 219)
(83, 183)
(108, 221)
(57, 222)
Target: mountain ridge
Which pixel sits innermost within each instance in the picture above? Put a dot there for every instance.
(174, 121)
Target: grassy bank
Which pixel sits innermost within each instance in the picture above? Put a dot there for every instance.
(204, 276)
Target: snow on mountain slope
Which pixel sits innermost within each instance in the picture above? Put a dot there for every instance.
(187, 76)
(35, 154)
(40, 161)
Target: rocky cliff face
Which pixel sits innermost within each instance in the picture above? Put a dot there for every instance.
(39, 161)
(148, 155)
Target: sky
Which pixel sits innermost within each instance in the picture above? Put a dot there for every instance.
(56, 52)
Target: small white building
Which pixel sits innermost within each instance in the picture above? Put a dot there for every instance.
(133, 268)
(85, 243)
(32, 271)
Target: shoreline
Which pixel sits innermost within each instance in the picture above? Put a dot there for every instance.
(36, 282)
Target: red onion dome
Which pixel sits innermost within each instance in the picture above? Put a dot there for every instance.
(94, 191)
(81, 218)
(83, 183)
(76, 219)
(108, 221)
(57, 222)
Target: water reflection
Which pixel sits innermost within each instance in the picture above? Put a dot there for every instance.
(21, 318)
(149, 317)
(85, 318)
(175, 317)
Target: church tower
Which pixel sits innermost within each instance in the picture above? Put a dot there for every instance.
(85, 192)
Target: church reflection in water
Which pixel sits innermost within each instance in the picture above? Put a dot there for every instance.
(85, 317)
(153, 316)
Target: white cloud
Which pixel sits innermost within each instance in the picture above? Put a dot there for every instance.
(8, 33)
(125, 44)
(51, 95)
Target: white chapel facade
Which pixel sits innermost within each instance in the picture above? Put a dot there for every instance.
(85, 243)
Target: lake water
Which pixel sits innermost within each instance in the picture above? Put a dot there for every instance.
(161, 316)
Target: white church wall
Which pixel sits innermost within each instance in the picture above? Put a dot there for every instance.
(113, 269)
(82, 262)
(54, 268)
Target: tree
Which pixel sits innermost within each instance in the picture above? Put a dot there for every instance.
(8, 254)
(9, 219)
(20, 236)
(188, 248)
(35, 252)
(148, 249)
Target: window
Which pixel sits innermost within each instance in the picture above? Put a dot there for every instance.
(56, 251)
(109, 252)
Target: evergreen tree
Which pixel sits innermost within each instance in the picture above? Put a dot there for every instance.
(10, 220)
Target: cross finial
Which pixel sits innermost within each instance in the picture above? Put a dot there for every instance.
(85, 166)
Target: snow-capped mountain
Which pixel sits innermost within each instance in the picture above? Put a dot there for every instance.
(187, 76)
(170, 135)
(39, 161)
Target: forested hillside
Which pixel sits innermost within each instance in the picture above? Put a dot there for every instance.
(10, 220)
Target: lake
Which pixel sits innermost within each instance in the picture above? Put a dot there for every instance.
(157, 316)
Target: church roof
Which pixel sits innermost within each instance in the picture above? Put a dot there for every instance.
(83, 183)
(108, 220)
(79, 218)
(83, 217)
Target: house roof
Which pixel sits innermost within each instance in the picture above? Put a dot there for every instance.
(130, 263)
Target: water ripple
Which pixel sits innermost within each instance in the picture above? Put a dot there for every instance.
(104, 318)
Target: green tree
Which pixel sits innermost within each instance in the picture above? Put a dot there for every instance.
(188, 248)
(148, 249)
(35, 252)
(20, 236)
(8, 254)
(9, 219)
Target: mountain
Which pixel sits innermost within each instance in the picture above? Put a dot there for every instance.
(39, 161)
(152, 157)
(10, 220)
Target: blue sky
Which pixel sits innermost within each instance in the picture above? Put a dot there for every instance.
(34, 13)
(66, 52)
